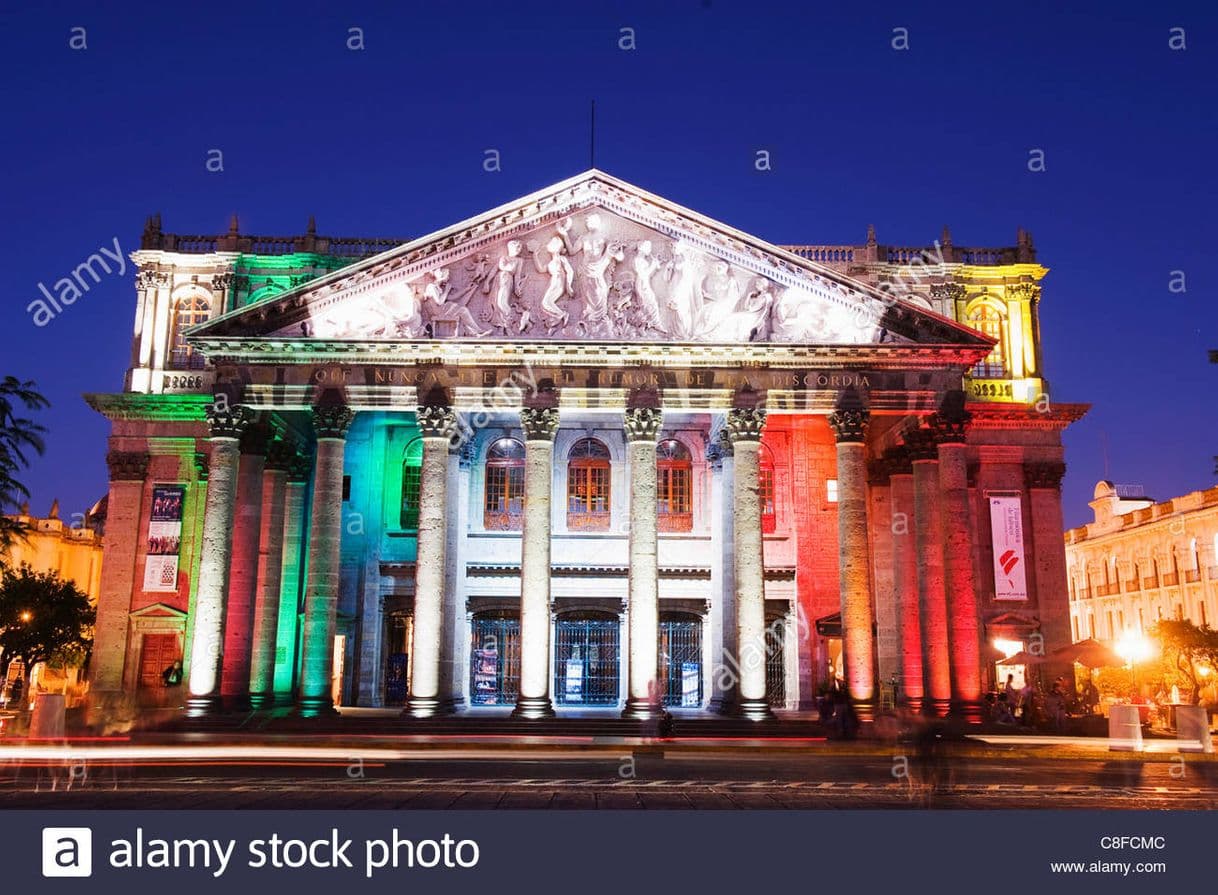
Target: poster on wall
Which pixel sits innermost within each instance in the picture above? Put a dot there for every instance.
(1006, 528)
(164, 539)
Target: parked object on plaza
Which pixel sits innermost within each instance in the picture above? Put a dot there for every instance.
(1124, 729)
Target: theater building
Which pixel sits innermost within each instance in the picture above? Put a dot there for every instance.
(588, 449)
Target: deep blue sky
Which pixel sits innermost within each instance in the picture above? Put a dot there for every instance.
(389, 141)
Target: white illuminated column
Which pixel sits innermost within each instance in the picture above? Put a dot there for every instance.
(330, 424)
(226, 423)
(644, 700)
(744, 426)
(540, 425)
(437, 425)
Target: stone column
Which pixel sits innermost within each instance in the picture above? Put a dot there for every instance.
(128, 471)
(1047, 560)
(725, 686)
(227, 422)
(294, 500)
(437, 424)
(644, 700)
(243, 567)
(744, 427)
(905, 578)
(540, 425)
(932, 598)
(958, 578)
(270, 572)
(330, 424)
(850, 428)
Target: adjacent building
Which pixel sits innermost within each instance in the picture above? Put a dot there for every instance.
(1143, 560)
(590, 448)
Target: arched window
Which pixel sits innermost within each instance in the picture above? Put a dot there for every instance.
(588, 486)
(412, 467)
(988, 321)
(674, 477)
(188, 311)
(503, 509)
(765, 490)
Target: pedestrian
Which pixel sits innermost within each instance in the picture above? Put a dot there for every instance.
(172, 676)
(14, 695)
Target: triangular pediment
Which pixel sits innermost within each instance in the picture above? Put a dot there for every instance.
(592, 259)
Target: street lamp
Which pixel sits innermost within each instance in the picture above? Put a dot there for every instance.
(1133, 647)
(26, 615)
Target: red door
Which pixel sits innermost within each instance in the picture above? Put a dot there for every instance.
(158, 653)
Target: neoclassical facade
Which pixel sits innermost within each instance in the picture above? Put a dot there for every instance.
(588, 449)
(1142, 560)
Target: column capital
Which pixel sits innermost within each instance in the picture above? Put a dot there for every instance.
(436, 421)
(921, 445)
(849, 424)
(128, 466)
(256, 437)
(466, 453)
(280, 455)
(950, 427)
(332, 420)
(1044, 475)
(643, 423)
(539, 423)
(225, 420)
(300, 467)
(745, 424)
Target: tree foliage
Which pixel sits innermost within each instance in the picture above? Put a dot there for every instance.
(1186, 647)
(19, 436)
(43, 618)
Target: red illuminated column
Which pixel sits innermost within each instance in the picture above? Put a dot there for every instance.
(330, 423)
(932, 596)
(850, 428)
(959, 581)
(270, 567)
(227, 423)
(905, 578)
(437, 425)
(243, 570)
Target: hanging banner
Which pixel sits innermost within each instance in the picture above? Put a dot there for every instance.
(164, 539)
(1006, 530)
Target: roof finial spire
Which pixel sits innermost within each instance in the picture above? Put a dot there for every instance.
(234, 225)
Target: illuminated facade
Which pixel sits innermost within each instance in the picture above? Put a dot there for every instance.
(589, 448)
(1141, 561)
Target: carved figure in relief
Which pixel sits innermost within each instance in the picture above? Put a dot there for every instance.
(561, 286)
(720, 298)
(685, 295)
(600, 278)
(507, 286)
(438, 309)
(646, 266)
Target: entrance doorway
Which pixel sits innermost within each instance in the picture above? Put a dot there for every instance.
(494, 659)
(157, 652)
(397, 658)
(587, 658)
(681, 660)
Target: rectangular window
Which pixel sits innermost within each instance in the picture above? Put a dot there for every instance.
(504, 498)
(675, 498)
(765, 490)
(411, 476)
(346, 487)
(831, 490)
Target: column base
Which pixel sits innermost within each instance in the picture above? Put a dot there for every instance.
(754, 710)
(316, 707)
(865, 709)
(204, 706)
(644, 710)
(261, 701)
(971, 711)
(533, 708)
(936, 708)
(915, 704)
(239, 703)
(421, 707)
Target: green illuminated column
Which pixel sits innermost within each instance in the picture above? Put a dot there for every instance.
(294, 500)
(540, 425)
(744, 427)
(437, 426)
(330, 424)
(642, 427)
(270, 567)
(226, 423)
(850, 428)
